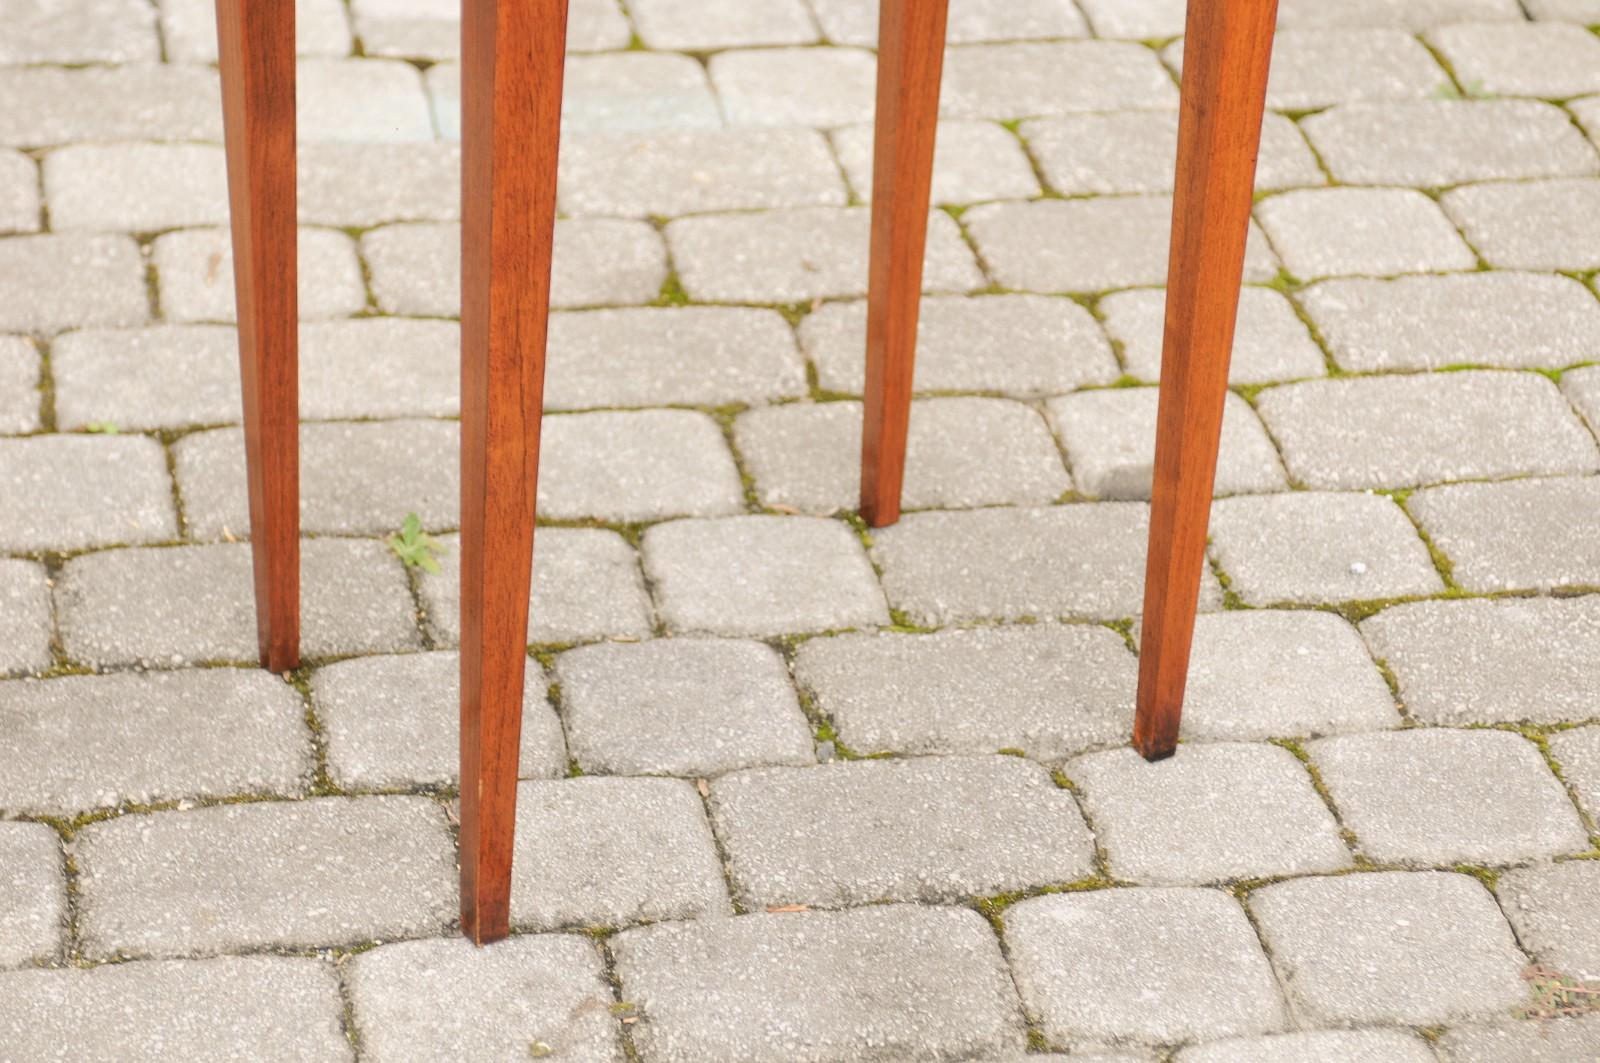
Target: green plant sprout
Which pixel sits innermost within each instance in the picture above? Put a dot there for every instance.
(415, 547)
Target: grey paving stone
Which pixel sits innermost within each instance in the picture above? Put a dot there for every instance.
(1402, 431)
(1492, 661)
(586, 585)
(57, 281)
(136, 187)
(612, 852)
(820, 87)
(760, 575)
(90, 31)
(194, 604)
(722, 23)
(1551, 906)
(1413, 948)
(1405, 14)
(793, 255)
(1582, 389)
(690, 355)
(854, 22)
(972, 161)
(1532, 59)
(1440, 796)
(416, 269)
(1270, 343)
(369, 184)
(69, 492)
(961, 452)
(1316, 1046)
(1110, 440)
(1077, 561)
(391, 722)
(1136, 19)
(637, 465)
(84, 742)
(189, 29)
(266, 874)
(1006, 81)
(1262, 673)
(1578, 753)
(143, 101)
(1519, 534)
(928, 829)
(1022, 345)
(1314, 68)
(166, 376)
(26, 626)
(447, 999)
(19, 193)
(1087, 245)
(1445, 142)
(361, 101)
(1581, 11)
(671, 173)
(1531, 224)
(357, 478)
(20, 377)
(894, 981)
(1550, 1041)
(1213, 813)
(33, 895)
(1511, 320)
(194, 269)
(275, 1009)
(1136, 151)
(1151, 965)
(1047, 689)
(680, 707)
(1315, 547)
(380, 367)
(1322, 232)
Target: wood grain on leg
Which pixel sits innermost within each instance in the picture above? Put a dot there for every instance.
(511, 67)
(1227, 47)
(910, 57)
(256, 55)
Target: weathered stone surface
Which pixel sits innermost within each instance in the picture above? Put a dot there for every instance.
(33, 897)
(392, 722)
(972, 161)
(1331, 1046)
(19, 193)
(819, 87)
(722, 23)
(167, 376)
(631, 90)
(189, 29)
(380, 367)
(939, 829)
(1135, 19)
(1531, 224)
(89, 31)
(1322, 232)
(265, 874)
(1404, 431)
(136, 187)
(1532, 59)
(760, 575)
(1522, 534)
(1047, 689)
(360, 100)
(70, 280)
(612, 852)
(852, 22)
(369, 184)
(1212, 813)
(1492, 661)
(19, 385)
(1548, 1041)
(1437, 796)
(1313, 68)
(448, 999)
(1414, 15)
(69, 492)
(1413, 948)
(680, 707)
(1008, 81)
(195, 272)
(1582, 389)
(1552, 908)
(1271, 343)
(1578, 753)
(898, 981)
(1313, 547)
(50, 105)
(85, 742)
(25, 622)
(1147, 965)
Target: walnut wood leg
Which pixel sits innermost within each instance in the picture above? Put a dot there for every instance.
(910, 57)
(511, 67)
(1226, 50)
(256, 55)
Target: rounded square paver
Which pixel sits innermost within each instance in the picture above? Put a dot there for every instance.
(1531, 224)
(1270, 344)
(26, 624)
(1549, 1041)
(1552, 907)
(1578, 753)
(972, 161)
(1142, 964)
(1413, 948)
(69, 492)
(33, 897)
(1317, 1046)
(819, 87)
(1439, 796)
(1518, 535)
(680, 707)
(1210, 813)
(1376, 231)
(1544, 59)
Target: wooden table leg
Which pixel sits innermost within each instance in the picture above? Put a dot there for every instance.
(511, 67)
(910, 57)
(256, 56)
(1227, 47)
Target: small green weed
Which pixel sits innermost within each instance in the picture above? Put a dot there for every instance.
(1557, 994)
(104, 428)
(415, 547)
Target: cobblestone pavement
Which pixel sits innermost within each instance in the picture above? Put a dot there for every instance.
(794, 791)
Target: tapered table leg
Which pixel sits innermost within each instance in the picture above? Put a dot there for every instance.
(910, 57)
(1226, 50)
(511, 67)
(256, 56)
